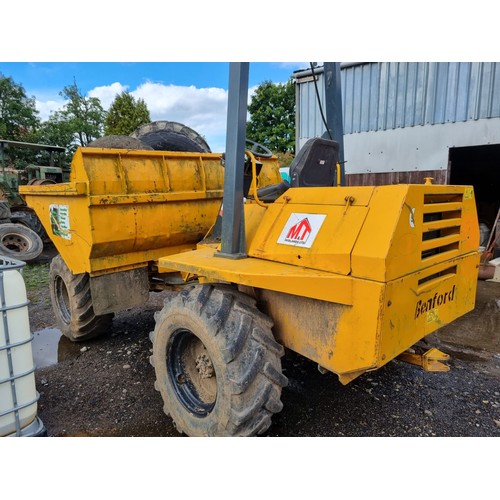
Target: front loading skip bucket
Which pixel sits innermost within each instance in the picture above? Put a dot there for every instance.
(124, 208)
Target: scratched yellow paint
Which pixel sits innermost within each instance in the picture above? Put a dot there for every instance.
(128, 208)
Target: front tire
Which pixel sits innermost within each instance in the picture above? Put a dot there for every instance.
(72, 304)
(217, 365)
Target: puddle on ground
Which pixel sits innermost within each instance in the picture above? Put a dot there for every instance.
(51, 347)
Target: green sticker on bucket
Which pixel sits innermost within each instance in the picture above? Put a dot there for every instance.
(59, 221)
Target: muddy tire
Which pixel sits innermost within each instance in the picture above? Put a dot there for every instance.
(217, 365)
(28, 218)
(119, 142)
(19, 242)
(72, 304)
(171, 136)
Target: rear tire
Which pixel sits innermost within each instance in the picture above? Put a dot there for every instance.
(217, 365)
(72, 304)
(19, 242)
(171, 136)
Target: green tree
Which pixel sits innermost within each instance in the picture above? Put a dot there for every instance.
(83, 116)
(19, 121)
(272, 116)
(125, 115)
(18, 114)
(57, 131)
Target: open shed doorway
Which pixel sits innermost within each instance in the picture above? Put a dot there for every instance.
(479, 166)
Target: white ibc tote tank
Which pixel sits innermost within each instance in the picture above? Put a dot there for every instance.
(18, 395)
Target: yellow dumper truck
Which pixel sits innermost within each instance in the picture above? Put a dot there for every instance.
(349, 277)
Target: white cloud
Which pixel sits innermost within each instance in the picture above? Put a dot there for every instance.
(45, 108)
(107, 93)
(202, 109)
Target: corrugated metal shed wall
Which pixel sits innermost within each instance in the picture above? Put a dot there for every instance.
(405, 116)
(389, 95)
(308, 117)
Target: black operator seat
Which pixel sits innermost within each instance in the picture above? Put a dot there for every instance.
(314, 166)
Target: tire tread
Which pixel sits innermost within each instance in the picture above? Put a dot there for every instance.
(248, 352)
(84, 324)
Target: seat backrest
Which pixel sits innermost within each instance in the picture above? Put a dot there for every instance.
(315, 164)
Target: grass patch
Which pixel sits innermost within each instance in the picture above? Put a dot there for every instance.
(36, 275)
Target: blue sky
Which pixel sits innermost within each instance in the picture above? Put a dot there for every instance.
(192, 93)
(52, 76)
(195, 93)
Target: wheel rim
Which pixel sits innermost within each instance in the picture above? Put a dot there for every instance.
(192, 373)
(16, 243)
(62, 299)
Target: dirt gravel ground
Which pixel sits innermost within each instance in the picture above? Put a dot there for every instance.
(105, 387)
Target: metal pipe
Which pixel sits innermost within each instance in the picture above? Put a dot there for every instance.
(303, 73)
(333, 104)
(31, 145)
(253, 188)
(233, 223)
